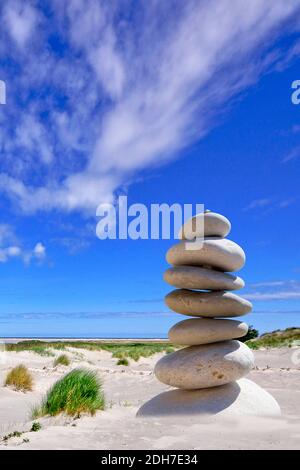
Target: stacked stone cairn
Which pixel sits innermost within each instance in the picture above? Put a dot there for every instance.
(212, 361)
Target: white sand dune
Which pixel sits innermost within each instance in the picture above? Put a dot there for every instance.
(127, 388)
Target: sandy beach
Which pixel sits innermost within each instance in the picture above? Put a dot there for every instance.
(126, 389)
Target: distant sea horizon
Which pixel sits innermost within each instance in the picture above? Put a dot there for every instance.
(98, 338)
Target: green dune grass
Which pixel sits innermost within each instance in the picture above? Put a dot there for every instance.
(62, 360)
(276, 339)
(131, 350)
(79, 391)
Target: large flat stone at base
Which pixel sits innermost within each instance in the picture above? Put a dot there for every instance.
(240, 398)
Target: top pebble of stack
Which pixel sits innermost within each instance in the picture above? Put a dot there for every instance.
(215, 225)
(216, 251)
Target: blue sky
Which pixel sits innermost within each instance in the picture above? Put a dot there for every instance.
(185, 102)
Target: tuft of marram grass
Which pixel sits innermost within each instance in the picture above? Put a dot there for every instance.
(79, 391)
(20, 379)
(123, 361)
(62, 360)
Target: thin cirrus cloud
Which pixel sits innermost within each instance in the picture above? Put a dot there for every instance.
(79, 315)
(269, 204)
(258, 203)
(127, 88)
(292, 155)
(274, 290)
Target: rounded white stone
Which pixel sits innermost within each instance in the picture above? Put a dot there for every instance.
(208, 224)
(194, 277)
(207, 304)
(197, 331)
(208, 365)
(219, 253)
(241, 398)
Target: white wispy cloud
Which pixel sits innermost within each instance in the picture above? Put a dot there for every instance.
(39, 251)
(82, 315)
(258, 203)
(271, 284)
(7, 234)
(269, 204)
(286, 202)
(127, 89)
(292, 155)
(273, 290)
(288, 295)
(10, 247)
(21, 19)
